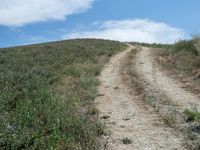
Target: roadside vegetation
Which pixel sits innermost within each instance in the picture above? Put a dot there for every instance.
(153, 45)
(47, 93)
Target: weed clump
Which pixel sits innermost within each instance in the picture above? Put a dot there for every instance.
(192, 115)
(126, 141)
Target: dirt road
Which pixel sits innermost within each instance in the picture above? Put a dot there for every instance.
(130, 125)
(149, 71)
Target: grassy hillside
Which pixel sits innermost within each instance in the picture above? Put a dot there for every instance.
(47, 93)
(183, 60)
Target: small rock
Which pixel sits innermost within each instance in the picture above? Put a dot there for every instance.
(113, 123)
(105, 117)
(126, 119)
(99, 95)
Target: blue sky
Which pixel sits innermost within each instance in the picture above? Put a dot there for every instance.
(34, 21)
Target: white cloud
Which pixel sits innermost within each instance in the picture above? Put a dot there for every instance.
(21, 12)
(139, 30)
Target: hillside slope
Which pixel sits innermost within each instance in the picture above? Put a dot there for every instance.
(47, 93)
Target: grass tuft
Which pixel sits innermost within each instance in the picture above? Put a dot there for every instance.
(192, 115)
(126, 141)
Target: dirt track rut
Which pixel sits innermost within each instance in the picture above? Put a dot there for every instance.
(148, 69)
(126, 116)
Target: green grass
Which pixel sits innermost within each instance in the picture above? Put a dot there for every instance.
(47, 93)
(153, 45)
(192, 115)
(186, 46)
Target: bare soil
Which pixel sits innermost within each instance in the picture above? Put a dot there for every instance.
(148, 69)
(132, 125)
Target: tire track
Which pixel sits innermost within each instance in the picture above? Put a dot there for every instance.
(126, 117)
(148, 70)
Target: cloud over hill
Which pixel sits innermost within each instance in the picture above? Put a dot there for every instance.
(140, 30)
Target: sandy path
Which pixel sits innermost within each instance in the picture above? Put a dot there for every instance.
(147, 68)
(126, 116)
